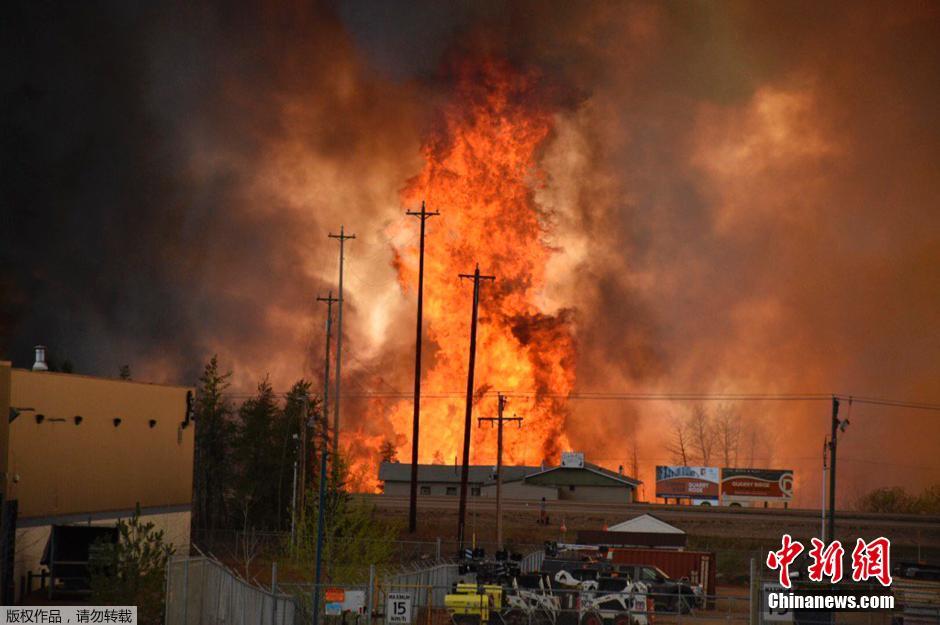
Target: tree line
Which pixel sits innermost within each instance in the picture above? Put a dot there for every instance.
(244, 456)
(243, 480)
(897, 500)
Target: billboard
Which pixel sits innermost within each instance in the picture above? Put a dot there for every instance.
(756, 484)
(687, 482)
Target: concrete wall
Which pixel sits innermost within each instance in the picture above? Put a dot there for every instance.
(59, 468)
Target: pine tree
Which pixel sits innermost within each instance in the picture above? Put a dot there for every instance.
(258, 453)
(132, 570)
(214, 434)
(295, 424)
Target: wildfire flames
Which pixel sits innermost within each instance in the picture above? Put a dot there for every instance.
(680, 197)
(480, 172)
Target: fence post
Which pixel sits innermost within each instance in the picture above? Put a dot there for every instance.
(679, 605)
(755, 594)
(274, 593)
(166, 591)
(185, 591)
(204, 563)
(218, 601)
(370, 596)
(438, 548)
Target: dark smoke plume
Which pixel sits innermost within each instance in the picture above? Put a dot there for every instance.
(743, 196)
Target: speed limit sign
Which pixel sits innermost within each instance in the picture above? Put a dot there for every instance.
(768, 614)
(398, 608)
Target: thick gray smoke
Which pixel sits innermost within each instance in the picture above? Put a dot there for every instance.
(744, 199)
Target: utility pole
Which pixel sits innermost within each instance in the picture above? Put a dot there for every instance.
(413, 501)
(468, 421)
(500, 419)
(822, 528)
(293, 511)
(300, 485)
(832, 469)
(342, 237)
(329, 299)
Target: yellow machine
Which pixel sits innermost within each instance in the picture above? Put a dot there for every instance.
(472, 603)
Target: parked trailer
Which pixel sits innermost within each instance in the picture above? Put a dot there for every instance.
(697, 566)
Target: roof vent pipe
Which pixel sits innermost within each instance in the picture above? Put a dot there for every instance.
(40, 364)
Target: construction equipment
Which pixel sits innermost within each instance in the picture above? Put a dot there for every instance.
(474, 604)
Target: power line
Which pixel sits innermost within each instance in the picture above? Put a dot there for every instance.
(786, 459)
(596, 396)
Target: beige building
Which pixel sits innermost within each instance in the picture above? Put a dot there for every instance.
(573, 480)
(77, 449)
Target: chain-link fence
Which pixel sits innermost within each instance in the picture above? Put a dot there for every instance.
(528, 603)
(236, 546)
(202, 591)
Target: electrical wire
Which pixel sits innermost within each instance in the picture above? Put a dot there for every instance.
(599, 396)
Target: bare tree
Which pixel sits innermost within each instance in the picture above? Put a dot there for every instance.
(679, 445)
(702, 434)
(760, 440)
(728, 433)
(250, 541)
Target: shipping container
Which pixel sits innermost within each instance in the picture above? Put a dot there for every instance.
(697, 566)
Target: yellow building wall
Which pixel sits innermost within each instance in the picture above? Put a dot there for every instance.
(57, 467)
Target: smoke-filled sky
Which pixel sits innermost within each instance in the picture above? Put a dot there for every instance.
(739, 197)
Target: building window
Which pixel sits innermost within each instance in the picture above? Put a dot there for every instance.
(451, 490)
(425, 490)
(475, 491)
(571, 488)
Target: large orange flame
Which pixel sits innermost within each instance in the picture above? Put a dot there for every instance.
(480, 172)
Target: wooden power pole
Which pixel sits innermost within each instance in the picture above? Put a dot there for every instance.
(468, 421)
(833, 440)
(413, 501)
(342, 236)
(318, 567)
(500, 420)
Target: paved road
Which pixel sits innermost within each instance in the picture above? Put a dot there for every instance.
(676, 513)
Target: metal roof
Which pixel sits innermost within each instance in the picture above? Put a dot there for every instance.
(478, 474)
(591, 468)
(646, 523)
